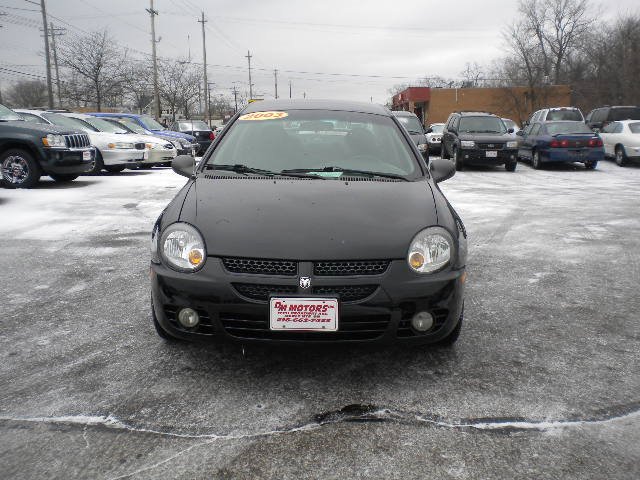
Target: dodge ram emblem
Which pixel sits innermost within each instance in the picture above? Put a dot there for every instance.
(305, 282)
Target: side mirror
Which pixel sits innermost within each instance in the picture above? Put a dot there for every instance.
(510, 130)
(184, 165)
(520, 133)
(441, 169)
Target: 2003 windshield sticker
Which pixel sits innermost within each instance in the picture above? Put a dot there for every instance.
(263, 116)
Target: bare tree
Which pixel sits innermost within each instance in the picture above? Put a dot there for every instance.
(178, 83)
(96, 61)
(472, 75)
(27, 93)
(139, 84)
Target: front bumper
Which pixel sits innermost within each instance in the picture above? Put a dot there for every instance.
(70, 161)
(479, 157)
(127, 157)
(163, 155)
(382, 317)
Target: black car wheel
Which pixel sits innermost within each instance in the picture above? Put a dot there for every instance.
(621, 156)
(62, 178)
(114, 168)
(511, 166)
(537, 164)
(457, 157)
(98, 164)
(19, 169)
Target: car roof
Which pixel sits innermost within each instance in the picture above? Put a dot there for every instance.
(300, 104)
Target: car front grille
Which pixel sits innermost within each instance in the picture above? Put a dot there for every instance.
(404, 327)
(256, 326)
(256, 291)
(140, 146)
(347, 293)
(77, 140)
(353, 267)
(490, 146)
(260, 266)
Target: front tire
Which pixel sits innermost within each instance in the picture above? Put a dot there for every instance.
(457, 157)
(63, 178)
(98, 164)
(621, 156)
(18, 169)
(535, 161)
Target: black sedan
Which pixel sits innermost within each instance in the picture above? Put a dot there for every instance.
(289, 231)
(199, 129)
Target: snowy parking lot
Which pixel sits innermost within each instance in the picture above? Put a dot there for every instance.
(543, 382)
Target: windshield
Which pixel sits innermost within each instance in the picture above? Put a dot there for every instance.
(6, 114)
(634, 127)
(412, 124)
(195, 125)
(314, 140)
(510, 123)
(568, 114)
(482, 125)
(150, 124)
(104, 126)
(131, 125)
(437, 128)
(567, 127)
(626, 113)
(68, 122)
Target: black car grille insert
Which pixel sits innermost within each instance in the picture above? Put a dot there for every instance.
(353, 267)
(260, 266)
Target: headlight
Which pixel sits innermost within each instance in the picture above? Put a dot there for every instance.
(182, 247)
(430, 250)
(422, 147)
(513, 144)
(54, 141)
(467, 143)
(121, 145)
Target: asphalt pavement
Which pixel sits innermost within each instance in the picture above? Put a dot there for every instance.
(543, 383)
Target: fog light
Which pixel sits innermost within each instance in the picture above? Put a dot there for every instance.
(188, 317)
(422, 321)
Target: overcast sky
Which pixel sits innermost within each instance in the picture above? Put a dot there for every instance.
(327, 48)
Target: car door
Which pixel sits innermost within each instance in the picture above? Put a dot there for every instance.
(526, 145)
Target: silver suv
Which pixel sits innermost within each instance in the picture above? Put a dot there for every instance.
(556, 113)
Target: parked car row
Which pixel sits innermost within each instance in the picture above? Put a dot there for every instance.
(40, 142)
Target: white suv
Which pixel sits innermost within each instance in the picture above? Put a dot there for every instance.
(556, 113)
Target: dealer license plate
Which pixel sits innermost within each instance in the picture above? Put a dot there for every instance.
(86, 156)
(492, 153)
(303, 314)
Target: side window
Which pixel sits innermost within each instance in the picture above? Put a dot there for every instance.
(535, 130)
(609, 128)
(599, 115)
(456, 122)
(617, 127)
(450, 122)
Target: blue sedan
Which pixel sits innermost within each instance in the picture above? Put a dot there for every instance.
(560, 142)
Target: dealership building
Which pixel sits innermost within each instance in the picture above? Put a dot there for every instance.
(433, 105)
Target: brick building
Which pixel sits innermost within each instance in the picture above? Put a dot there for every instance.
(433, 105)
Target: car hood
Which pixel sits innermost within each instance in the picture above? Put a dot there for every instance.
(308, 219)
(418, 138)
(171, 135)
(39, 127)
(107, 137)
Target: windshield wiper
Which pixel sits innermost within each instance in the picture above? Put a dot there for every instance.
(345, 171)
(244, 169)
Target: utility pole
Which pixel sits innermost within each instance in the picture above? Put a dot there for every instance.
(55, 59)
(156, 93)
(289, 88)
(204, 61)
(248, 57)
(235, 98)
(275, 76)
(43, 8)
